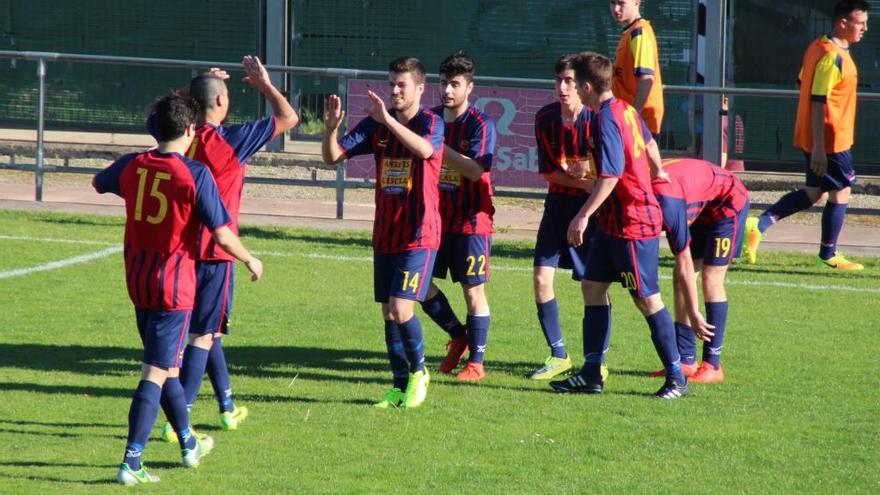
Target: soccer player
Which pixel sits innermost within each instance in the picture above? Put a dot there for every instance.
(704, 211)
(466, 211)
(637, 78)
(824, 131)
(225, 151)
(167, 200)
(625, 247)
(561, 133)
(407, 144)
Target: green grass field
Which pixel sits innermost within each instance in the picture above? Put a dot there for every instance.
(797, 414)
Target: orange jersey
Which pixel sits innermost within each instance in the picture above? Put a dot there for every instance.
(828, 75)
(637, 56)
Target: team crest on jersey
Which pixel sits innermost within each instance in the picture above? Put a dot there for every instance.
(464, 146)
(450, 179)
(396, 177)
(381, 143)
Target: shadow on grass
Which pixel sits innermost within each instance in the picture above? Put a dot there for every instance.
(61, 425)
(57, 464)
(110, 480)
(61, 434)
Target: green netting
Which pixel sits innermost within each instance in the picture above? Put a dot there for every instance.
(509, 38)
(97, 96)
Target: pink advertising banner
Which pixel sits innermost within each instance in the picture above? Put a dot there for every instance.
(516, 158)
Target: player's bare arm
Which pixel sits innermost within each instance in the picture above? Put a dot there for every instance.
(462, 164)
(643, 89)
(686, 282)
(565, 179)
(418, 145)
(333, 117)
(655, 161)
(601, 190)
(258, 77)
(226, 239)
(818, 158)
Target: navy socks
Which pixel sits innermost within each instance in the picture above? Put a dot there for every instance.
(548, 316)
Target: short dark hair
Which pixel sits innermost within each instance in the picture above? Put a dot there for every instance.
(564, 63)
(595, 69)
(204, 89)
(408, 64)
(458, 64)
(843, 8)
(173, 113)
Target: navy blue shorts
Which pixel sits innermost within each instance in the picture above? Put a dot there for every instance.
(163, 334)
(465, 257)
(552, 248)
(840, 174)
(215, 281)
(633, 263)
(405, 275)
(719, 243)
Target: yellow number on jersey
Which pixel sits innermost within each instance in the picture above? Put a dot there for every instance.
(628, 279)
(631, 118)
(155, 193)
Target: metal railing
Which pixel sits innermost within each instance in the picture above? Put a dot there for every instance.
(342, 75)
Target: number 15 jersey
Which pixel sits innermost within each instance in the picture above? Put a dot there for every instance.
(167, 199)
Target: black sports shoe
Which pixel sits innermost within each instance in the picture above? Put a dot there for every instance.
(579, 384)
(673, 389)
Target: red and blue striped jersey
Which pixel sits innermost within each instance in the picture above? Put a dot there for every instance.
(167, 200)
(562, 143)
(407, 213)
(619, 135)
(225, 151)
(466, 205)
(698, 193)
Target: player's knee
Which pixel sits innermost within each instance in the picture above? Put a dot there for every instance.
(401, 310)
(202, 341)
(649, 305)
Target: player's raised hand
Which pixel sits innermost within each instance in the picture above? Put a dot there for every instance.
(216, 71)
(257, 75)
(255, 266)
(576, 229)
(819, 164)
(377, 108)
(333, 113)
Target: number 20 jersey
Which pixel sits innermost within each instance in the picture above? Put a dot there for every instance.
(167, 199)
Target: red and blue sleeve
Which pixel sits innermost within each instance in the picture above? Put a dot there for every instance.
(610, 159)
(359, 141)
(208, 204)
(482, 143)
(107, 180)
(434, 130)
(247, 139)
(546, 163)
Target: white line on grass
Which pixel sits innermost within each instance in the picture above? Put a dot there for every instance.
(53, 265)
(789, 285)
(106, 252)
(50, 239)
